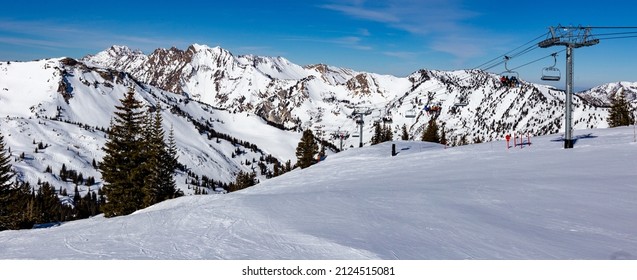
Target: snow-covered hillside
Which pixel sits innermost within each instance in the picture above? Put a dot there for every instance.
(478, 201)
(66, 106)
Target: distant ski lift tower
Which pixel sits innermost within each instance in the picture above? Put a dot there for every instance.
(341, 135)
(359, 114)
(572, 38)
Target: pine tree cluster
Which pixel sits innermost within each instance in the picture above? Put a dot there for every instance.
(76, 177)
(21, 206)
(138, 165)
(404, 134)
(244, 180)
(430, 134)
(620, 114)
(382, 133)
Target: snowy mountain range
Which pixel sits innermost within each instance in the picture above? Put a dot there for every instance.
(240, 113)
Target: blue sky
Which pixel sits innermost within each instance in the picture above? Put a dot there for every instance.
(394, 37)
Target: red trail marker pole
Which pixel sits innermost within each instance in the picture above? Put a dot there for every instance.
(508, 138)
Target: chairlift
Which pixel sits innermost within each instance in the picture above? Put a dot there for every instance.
(461, 102)
(510, 75)
(387, 118)
(551, 73)
(434, 107)
(411, 113)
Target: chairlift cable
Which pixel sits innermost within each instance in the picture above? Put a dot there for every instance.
(500, 56)
(534, 61)
(612, 27)
(623, 37)
(616, 33)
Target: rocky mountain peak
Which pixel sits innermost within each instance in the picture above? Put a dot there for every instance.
(285, 93)
(602, 95)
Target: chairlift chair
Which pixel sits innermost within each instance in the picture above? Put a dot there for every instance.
(410, 113)
(510, 74)
(551, 73)
(359, 120)
(461, 102)
(387, 118)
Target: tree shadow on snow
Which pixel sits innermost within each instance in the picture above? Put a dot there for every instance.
(47, 225)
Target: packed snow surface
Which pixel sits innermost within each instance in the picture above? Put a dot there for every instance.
(472, 202)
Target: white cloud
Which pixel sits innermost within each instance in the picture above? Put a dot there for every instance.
(364, 13)
(352, 42)
(402, 55)
(55, 35)
(443, 23)
(418, 17)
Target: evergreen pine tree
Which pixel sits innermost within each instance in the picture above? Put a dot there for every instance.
(443, 137)
(619, 114)
(462, 141)
(48, 204)
(121, 167)
(161, 163)
(388, 135)
(6, 174)
(14, 204)
(306, 149)
(277, 170)
(76, 197)
(153, 148)
(378, 134)
(431, 133)
(7, 218)
(63, 172)
(405, 134)
(169, 165)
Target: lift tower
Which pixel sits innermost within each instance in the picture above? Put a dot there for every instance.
(572, 38)
(359, 114)
(339, 134)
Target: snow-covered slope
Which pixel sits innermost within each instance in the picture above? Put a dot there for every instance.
(478, 201)
(66, 106)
